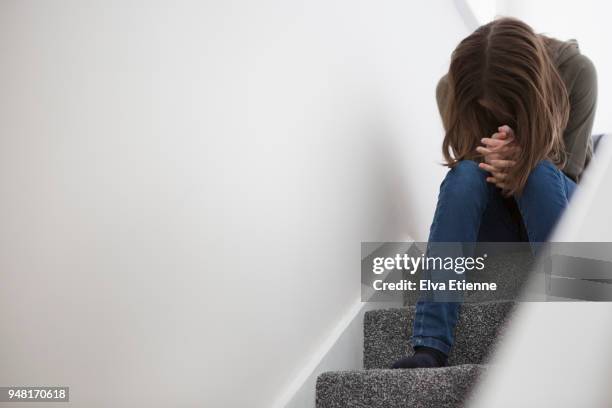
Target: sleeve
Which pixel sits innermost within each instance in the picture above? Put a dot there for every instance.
(577, 135)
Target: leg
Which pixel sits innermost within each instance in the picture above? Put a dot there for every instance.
(468, 209)
(543, 200)
(462, 200)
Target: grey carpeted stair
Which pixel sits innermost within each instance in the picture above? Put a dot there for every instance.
(426, 388)
(386, 338)
(387, 333)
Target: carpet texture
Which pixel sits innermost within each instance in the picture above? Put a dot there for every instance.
(387, 333)
(416, 388)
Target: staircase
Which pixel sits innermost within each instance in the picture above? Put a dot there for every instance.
(386, 339)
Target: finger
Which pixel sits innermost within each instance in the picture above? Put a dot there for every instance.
(503, 136)
(502, 164)
(499, 176)
(497, 143)
(490, 142)
(493, 156)
(506, 129)
(506, 152)
(499, 135)
(483, 150)
(488, 168)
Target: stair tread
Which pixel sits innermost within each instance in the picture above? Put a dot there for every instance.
(387, 333)
(431, 387)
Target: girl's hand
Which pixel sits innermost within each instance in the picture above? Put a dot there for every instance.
(498, 169)
(499, 153)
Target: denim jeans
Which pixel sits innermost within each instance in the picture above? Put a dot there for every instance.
(470, 209)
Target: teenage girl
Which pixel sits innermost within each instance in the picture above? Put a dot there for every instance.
(518, 110)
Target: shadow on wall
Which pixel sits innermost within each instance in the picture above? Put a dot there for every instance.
(391, 185)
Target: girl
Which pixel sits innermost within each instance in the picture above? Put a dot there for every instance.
(518, 109)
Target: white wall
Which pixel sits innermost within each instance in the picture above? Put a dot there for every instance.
(184, 185)
(586, 21)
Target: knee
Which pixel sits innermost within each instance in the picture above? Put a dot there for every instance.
(465, 179)
(543, 176)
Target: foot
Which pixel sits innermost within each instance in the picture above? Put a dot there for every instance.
(423, 357)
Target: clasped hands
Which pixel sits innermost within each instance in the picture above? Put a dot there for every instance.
(499, 155)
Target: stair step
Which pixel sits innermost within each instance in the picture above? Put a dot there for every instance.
(387, 333)
(426, 388)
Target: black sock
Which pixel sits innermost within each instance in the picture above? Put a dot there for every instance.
(424, 357)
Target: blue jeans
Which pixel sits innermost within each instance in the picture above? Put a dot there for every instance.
(471, 210)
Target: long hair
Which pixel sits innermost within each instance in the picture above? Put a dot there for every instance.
(502, 74)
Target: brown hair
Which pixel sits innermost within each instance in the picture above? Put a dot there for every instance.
(502, 74)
